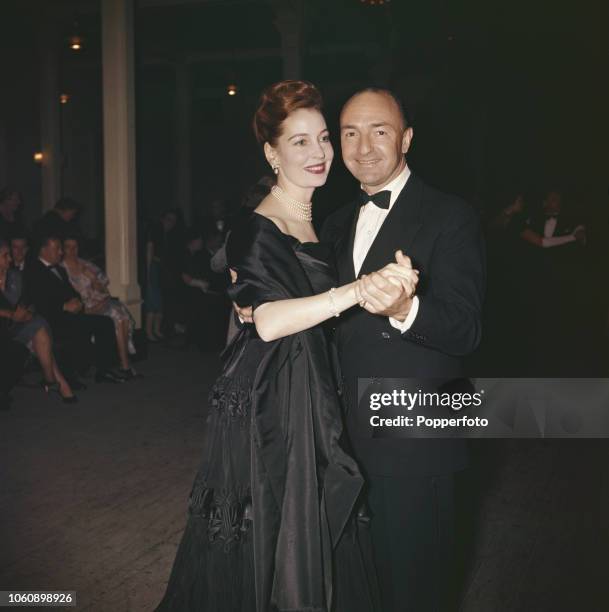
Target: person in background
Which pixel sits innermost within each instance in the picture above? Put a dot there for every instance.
(29, 329)
(164, 244)
(19, 250)
(60, 221)
(550, 227)
(560, 331)
(11, 204)
(92, 286)
(49, 290)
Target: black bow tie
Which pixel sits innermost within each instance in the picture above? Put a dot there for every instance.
(380, 199)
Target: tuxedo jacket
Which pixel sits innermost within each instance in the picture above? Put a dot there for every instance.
(47, 292)
(442, 236)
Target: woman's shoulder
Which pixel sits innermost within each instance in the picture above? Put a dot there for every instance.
(256, 226)
(256, 234)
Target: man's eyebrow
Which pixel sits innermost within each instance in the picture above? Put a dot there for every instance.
(374, 125)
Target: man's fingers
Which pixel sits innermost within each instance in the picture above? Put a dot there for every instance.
(245, 313)
(402, 259)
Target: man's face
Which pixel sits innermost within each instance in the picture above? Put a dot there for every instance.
(51, 252)
(553, 203)
(18, 249)
(373, 139)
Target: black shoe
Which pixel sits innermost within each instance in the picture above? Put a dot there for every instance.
(128, 374)
(53, 387)
(108, 376)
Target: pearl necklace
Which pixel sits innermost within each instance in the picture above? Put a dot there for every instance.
(300, 210)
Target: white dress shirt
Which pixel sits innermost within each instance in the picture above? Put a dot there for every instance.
(549, 227)
(369, 222)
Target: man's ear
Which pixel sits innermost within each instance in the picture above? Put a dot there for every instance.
(407, 139)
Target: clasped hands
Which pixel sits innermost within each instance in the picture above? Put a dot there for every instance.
(389, 291)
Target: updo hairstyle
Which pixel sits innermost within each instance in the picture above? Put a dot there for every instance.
(277, 102)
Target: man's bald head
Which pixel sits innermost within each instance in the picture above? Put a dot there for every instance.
(393, 97)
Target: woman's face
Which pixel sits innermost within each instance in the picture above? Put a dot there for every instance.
(303, 152)
(5, 259)
(70, 249)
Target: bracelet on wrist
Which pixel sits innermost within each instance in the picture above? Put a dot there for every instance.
(333, 309)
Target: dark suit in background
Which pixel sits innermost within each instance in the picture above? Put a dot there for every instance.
(411, 481)
(47, 288)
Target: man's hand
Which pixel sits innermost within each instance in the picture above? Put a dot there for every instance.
(73, 306)
(580, 234)
(389, 292)
(245, 314)
(22, 314)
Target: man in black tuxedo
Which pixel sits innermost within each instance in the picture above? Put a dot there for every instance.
(48, 288)
(396, 335)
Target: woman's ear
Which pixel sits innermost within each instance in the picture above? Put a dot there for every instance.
(271, 156)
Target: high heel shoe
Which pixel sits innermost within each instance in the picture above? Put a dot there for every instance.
(53, 387)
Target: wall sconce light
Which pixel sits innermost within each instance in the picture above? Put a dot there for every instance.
(231, 90)
(38, 157)
(64, 98)
(76, 43)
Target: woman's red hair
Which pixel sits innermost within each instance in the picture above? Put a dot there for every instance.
(277, 102)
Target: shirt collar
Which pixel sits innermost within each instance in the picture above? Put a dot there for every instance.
(45, 262)
(396, 185)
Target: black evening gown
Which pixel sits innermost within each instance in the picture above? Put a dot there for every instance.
(275, 521)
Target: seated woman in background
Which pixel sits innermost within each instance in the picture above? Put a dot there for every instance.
(92, 285)
(29, 329)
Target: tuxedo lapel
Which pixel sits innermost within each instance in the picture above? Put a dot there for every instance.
(398, 230)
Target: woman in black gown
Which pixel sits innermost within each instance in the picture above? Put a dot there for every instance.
(275, 520)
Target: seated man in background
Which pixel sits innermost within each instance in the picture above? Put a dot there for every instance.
(50, 292)
(19, 250)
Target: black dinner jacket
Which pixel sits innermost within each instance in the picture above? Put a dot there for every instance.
(442, 236)
(47, 292)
